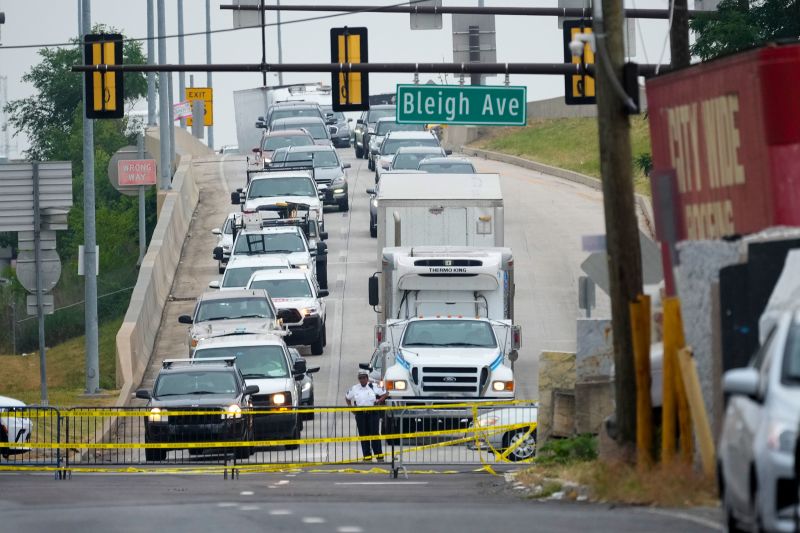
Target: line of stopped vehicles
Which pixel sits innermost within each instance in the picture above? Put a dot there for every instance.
(443, 293)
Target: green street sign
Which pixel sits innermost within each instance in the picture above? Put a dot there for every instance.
(478, 105)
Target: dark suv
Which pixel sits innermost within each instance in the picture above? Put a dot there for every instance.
(366, 126)
(213, 387)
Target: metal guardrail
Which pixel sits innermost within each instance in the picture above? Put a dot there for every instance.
(217, 440)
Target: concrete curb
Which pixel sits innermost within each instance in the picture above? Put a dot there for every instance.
(137, 335)
(642, 202)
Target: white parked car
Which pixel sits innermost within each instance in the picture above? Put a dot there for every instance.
(757, 443)
(296, 291)
(225, 240)
(521, 441)
(13, 427)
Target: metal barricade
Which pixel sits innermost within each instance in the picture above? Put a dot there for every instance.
(29, 436)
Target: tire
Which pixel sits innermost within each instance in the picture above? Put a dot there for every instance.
(371, 164)
(359, 151)
(525, 450)
(317, 347)
(344, 205)
(373, 231)
(730, 524)
(322, 274)
(154, 454)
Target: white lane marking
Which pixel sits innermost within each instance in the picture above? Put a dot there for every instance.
(343, 256)
(313, 520)
(227, 504)
(246, 493)
(272, 486)
(249, 508)
(710, 524)
(221, 174)
(283, 482)
(381, 483)
(349, 529)
(291, 475)
(280, 512)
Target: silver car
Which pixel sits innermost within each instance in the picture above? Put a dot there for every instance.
(757, 443)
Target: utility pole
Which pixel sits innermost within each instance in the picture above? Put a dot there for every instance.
(151, 60)
(181, 59)
(679, 35)
(165, 171)
(89, 232)
(622, 232)
(263, 43)
(280, 40)
(210, 129)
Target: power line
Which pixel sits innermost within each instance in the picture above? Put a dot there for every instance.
(74, 42)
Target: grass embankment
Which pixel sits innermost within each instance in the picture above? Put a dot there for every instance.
(573, 462)
(66, 372)
(568, 143)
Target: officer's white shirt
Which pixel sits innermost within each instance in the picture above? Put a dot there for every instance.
(364, 396)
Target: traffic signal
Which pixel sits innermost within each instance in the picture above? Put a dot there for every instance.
(350, 90)
(578, 88)
(104, 90)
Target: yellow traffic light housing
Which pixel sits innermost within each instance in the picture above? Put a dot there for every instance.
(104, 90)
(350, 90)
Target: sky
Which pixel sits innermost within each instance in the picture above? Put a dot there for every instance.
(519, 39)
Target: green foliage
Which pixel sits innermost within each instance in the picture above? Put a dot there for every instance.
(565, 451)
(740, 24)
(644, 162)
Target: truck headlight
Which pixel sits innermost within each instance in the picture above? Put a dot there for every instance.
(279, 398)
(396, 384)
(500, 386)
(310, 311)
(233, 411)
(157, 415)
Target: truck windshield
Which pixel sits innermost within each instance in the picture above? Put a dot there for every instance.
(447, 168)
(385, 126)
(449, 334)
(390, 146)
(254, 361)
(282, 141)
(410, 160)
(239, 276)
(269, 243)
(233, 309)
(284, 288)
(195, 383)
(791, 358)
(289, 186)
(290, 112)
(319, 158)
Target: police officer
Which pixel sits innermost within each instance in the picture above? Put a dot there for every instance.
(367, 394)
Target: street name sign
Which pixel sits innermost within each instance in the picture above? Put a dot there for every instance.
(478, 105)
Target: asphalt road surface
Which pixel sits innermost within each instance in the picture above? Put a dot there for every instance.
(545, 218)
(308, 502)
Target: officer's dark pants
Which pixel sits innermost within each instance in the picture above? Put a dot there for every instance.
(368, 423)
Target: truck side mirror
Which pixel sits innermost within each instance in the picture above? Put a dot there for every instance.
(143, 394)
(371, 191)
(218, 253)
(322, 249)
(323, 235)
(236, 198)
(323, 293)
(374, 290)
(185, 319)
(299, 366)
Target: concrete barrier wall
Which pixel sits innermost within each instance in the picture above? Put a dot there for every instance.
(136, 337)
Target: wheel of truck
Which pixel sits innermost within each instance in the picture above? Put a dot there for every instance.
(359, 151)
(525, 445)
(324, 336)
(319, 342)
(344, 205)
(322, 274)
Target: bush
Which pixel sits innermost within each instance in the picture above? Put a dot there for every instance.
(564, 451)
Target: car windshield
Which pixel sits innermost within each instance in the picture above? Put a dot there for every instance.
(282, 141)
(449, 333)
(289, 186)
(385, 126)
(447, 168)
(234, 308)
(284, 288)
(320, 158)
(316, 129)
(254, 361)
(269, 243)
(239, 276)
(408, 161)
(791, 358)
(390, 146)
(375, 114)
(196, 383)
(289, 112)
(227, 229)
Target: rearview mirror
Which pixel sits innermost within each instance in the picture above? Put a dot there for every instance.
(374, 290)
(741, 381)
(214, 285)
(249, 390)
(185, 319)
(143, 394)
(323, 293)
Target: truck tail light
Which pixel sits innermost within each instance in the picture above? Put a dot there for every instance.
(516, 337)
(380, 334)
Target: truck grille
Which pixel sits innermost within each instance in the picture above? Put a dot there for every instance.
(460, 379)
(194, 420)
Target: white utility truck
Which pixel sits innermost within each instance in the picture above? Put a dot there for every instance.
(445, 330)
(416, 209)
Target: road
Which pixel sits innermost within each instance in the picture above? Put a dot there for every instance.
(308, 502)
(545, 218)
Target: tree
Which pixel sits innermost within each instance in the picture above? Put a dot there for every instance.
(739, 24)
